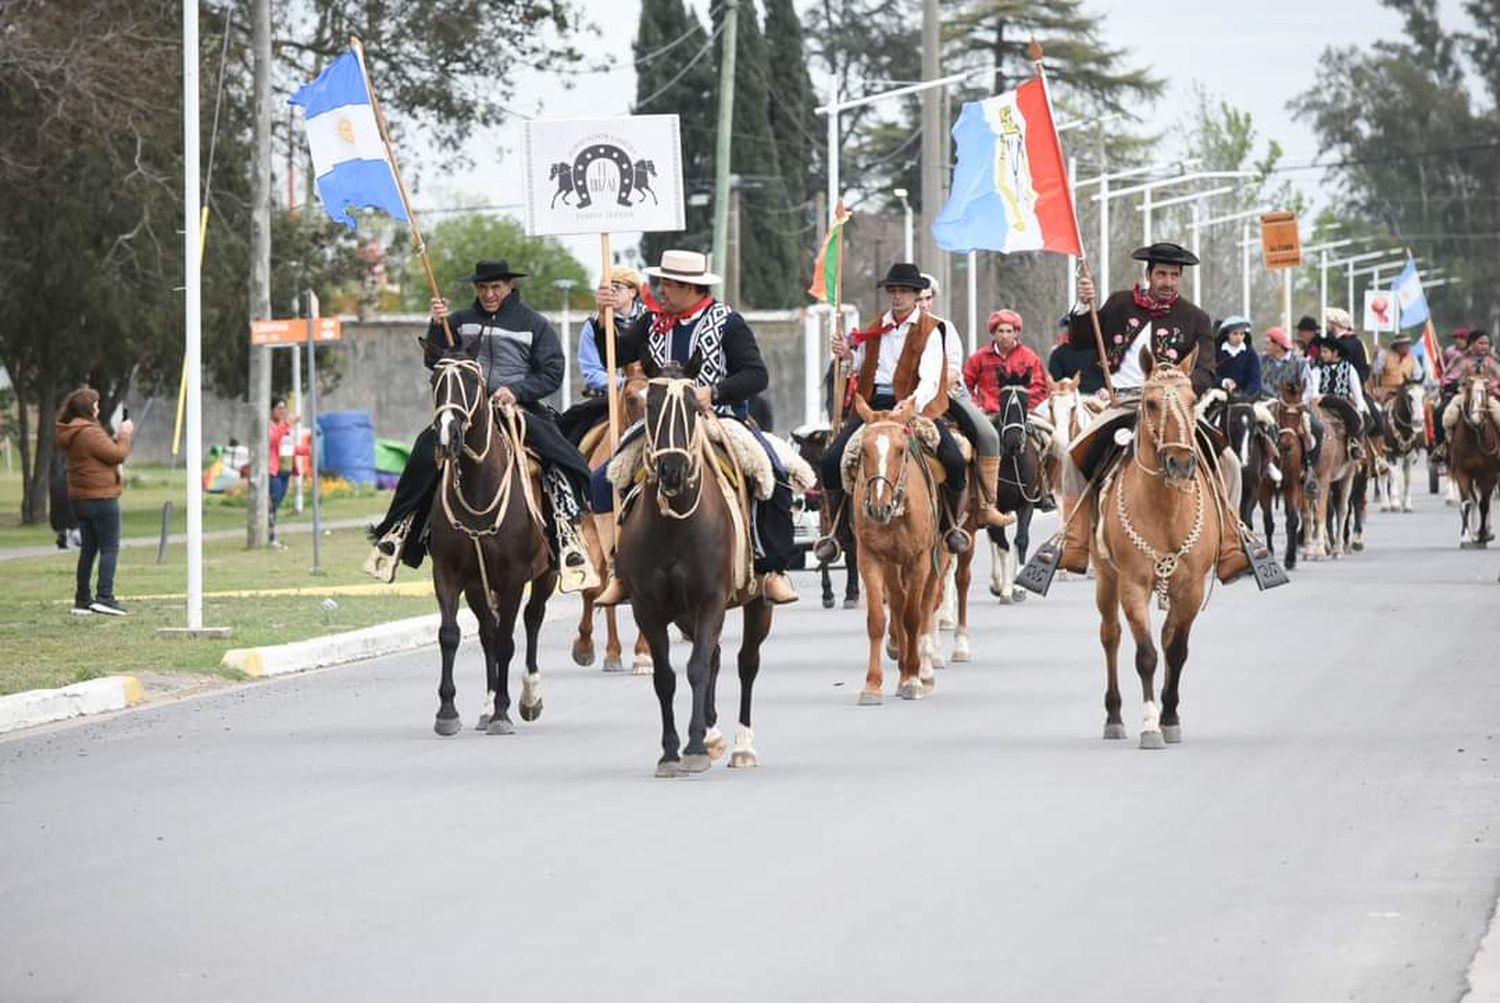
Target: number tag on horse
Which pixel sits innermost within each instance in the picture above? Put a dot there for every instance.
(1268, 573)
(1037, 575)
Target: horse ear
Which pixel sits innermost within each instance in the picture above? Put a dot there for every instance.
(1148, 360)
(1190, 361)
(862, 409)
(904, 411)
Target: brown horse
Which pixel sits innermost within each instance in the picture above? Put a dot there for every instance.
(811, 445)
(1403, 435)
(680, 559)
(901, 559)
(487, 543)
(599, 535)
(1327, 515)
(1159, 526)
(1474, 462)
(1291, 427)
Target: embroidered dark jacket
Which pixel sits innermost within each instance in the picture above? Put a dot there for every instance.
(1174, 334)
(744, 369)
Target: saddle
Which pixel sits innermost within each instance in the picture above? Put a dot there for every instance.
(593, 437)
(923, 432)
(1346, 413)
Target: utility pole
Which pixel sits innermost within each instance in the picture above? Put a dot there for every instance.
(733, 261)
(727, 44)
(933, 142)
(259, 389)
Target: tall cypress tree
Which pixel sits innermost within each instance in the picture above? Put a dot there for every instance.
(675, 75)
(794, 124)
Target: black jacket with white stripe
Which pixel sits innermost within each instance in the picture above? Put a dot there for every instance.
(516, 346)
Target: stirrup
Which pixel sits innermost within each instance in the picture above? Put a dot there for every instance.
(957, 541)
(385, 556)
(573, 577)
(827, 549)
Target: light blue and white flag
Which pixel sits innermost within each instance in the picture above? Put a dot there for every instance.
(1407, 289)
(349, 158)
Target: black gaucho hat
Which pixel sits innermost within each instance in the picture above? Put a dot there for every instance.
(904, 275)
(1166, 253)
(493, 271)
(1308, 324)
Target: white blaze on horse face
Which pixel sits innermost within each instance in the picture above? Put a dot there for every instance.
(882, 459)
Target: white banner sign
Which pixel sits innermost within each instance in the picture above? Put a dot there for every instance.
(604, 175)
(1380, 310)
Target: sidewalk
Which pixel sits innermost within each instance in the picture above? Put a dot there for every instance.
(288, 529)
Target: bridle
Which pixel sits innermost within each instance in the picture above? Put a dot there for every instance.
(898, 486)
(451, 395)
(1010, 406)
(672, 431)
(1404, 434)
(1169, 383)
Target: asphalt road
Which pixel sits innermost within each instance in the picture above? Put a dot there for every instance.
(1325, 832)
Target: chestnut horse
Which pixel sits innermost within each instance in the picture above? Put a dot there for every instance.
(679, 559)
(1159, 526)
(599, 536)
(487, 543)
(901, 559)
(1474, 462)
(1291, 426)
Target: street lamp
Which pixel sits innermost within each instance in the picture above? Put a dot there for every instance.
(565, 286)
(901, 193)
(1103, 198)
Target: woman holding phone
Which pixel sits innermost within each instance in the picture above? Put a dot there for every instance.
(94, 486)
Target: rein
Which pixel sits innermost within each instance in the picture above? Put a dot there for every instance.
(1403, 434)
(1172, 404)
(674, 419)
(1010, 401)
(898, 486)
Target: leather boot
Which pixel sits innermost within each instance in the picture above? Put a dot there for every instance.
(777, 589)
(614, 593)
(1233, 562)
(988, 470)
(1076, 534)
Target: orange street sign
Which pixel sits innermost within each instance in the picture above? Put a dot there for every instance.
(1280, 243)
(293, 331)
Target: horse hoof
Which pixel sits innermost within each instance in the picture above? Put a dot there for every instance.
(851, 603)
(828, 602)
(500, 726)
(910, 691)
(927, 687)
(670, 768)
(1357, 546)
(695, 762)
(744, 758)
(1004, 598)
(1115, 731)
(613, 663)
(947, 623)
(641, 666)
(1152, 740)
(997, 592)
(532, 712)
(583, 654)
(960, 655)
(1171, 733)
(446, 726)
(484, 722)
(1018, 596)
(716, 744)
(868, 699)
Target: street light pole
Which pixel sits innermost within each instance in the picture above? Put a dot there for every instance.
(901, 194)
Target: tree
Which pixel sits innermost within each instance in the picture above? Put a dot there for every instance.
(796, 128)
(456, 243)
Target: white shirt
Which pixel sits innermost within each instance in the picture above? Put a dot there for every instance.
(1131, 376)
(929, 367)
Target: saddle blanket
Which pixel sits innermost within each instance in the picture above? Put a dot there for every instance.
(924, 430)
(747, 446)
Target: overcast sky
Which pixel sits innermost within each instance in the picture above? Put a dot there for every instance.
(1256, 55)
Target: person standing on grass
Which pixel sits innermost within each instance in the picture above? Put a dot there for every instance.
(282, 460)
(94, 486)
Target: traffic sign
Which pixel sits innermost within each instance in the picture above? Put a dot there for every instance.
(1280, 243)
(293, 331)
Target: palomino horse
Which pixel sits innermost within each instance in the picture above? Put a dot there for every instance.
(901, 559)
(599, 535)
(1335, 478)
(1405, 433)
(1291, 424)
(1020, 488)
(680, 556)
(1069, 412)
(487, 543)
(1159, 526)
(1474, 462)
(811, 444)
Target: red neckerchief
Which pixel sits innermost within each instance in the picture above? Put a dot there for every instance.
(1149, 304)
(857, 338)
(662, 320)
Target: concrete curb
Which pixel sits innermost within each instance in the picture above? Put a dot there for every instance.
(350, 646)
(96, 696)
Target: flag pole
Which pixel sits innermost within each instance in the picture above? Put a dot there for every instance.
(1034, 51)
(836, 390)
(606, 255)
(390, 151)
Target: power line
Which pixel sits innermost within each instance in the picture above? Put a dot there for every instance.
(1391, 158)
(651, 56)
(707, 48)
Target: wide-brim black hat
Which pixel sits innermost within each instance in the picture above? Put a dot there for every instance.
(1166, 253)
(904, 275)
(1308, 323)
(493, 271)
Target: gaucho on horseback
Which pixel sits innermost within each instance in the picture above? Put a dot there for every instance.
(691, 328)
(1152, 316)
(522, 360)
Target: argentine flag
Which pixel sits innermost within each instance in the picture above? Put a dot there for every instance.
(349, 158)
(1407, 289)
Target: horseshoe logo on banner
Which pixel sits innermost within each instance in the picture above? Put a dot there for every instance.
(602, 151)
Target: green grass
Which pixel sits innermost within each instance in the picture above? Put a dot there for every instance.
(147, 488)
(43, 645)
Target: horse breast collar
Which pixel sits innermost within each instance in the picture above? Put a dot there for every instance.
(707, 341)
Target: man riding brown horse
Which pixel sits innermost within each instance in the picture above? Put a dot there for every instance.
(1152, 315)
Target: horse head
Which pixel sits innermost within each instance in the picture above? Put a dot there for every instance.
(1165, 441)
(633, 394)
(458, 401)
(883, 453)
(1476, 395)
(673, 432)
(1414, 396)
(1014, 393)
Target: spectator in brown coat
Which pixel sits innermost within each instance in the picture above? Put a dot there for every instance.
(94, 486)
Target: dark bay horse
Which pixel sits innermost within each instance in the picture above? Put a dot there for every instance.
(679, 558)
(811, 445)
(1291, 429)
(1474, 462)
(1159, 536)
(1022, 485)
(487, 543)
